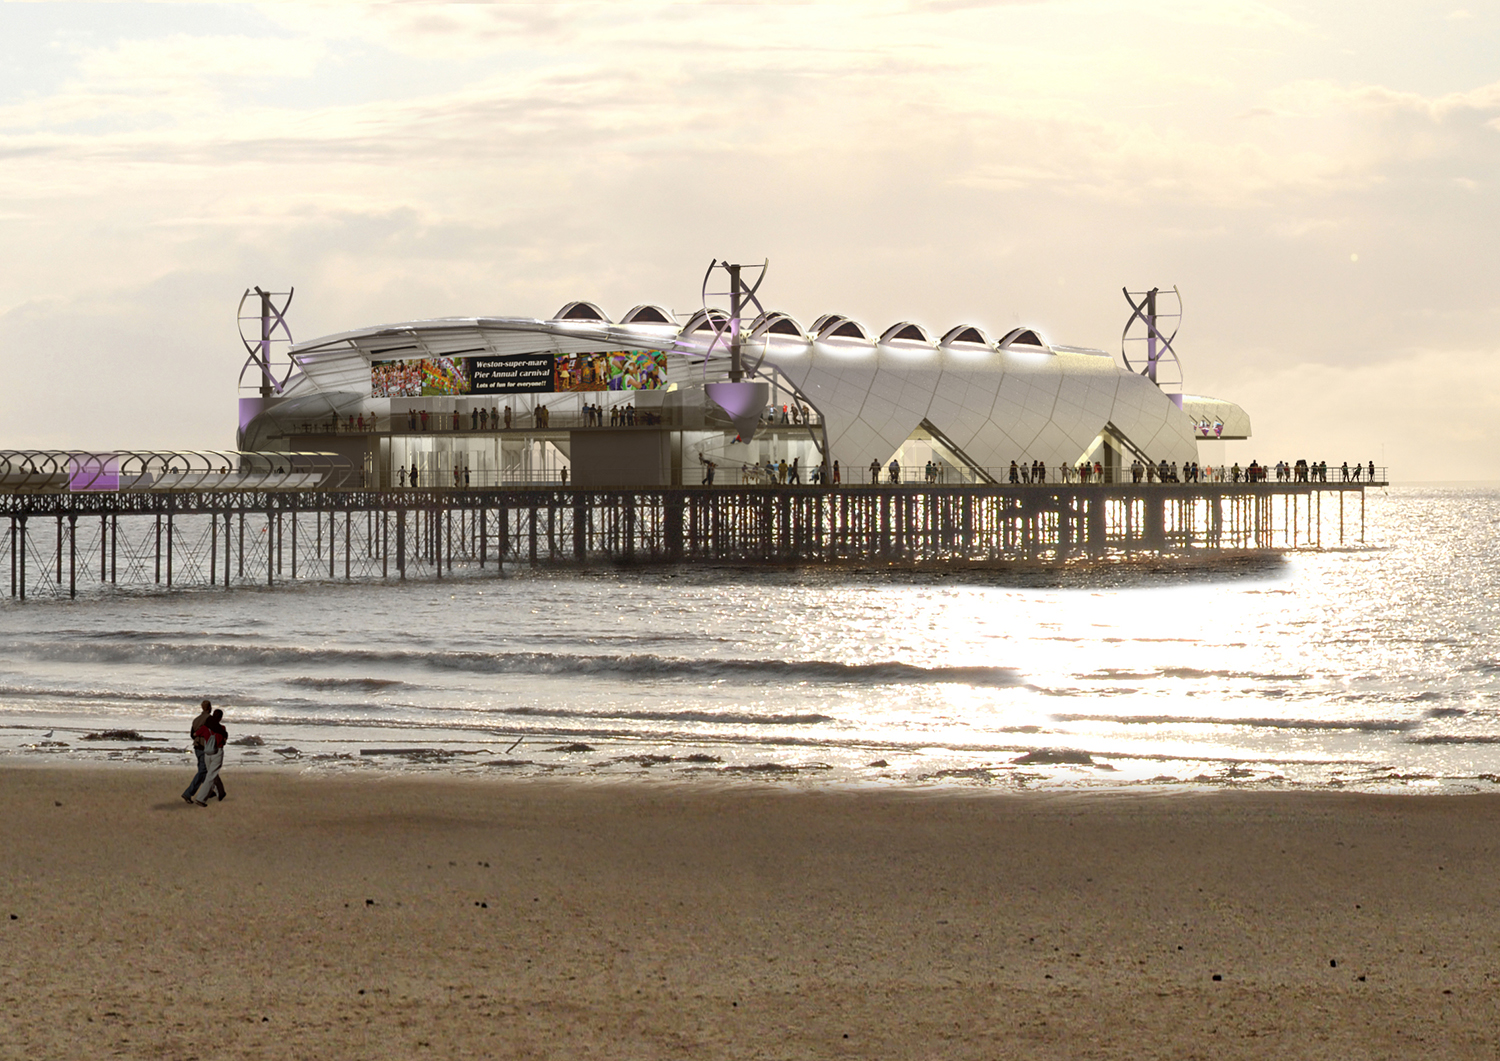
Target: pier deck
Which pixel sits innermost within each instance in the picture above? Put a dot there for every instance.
(61, 544)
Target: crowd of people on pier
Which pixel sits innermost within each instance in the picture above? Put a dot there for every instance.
(1300, 471)
(791, 413)
(619, 416)
(481, 419)
(791, 472)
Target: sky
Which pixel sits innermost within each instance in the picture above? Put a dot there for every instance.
(1319, 181)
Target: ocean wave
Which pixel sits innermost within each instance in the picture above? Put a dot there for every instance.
(22, 692)
(1122, 674)
(1193, 672)
(731, 718)
(281, 658)
(368, 685)
(1363, 725)
(229, 699)
(1455, 738)
(151, 635)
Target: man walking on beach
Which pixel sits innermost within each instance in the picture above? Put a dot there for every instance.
(198, 723)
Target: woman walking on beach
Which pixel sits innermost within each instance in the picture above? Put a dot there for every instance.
(214, 737)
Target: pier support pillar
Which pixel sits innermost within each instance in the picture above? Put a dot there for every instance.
(1098, 527)
(581, 527)
(1154, 529)
(401, 542)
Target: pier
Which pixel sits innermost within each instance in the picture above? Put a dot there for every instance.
(62, 544)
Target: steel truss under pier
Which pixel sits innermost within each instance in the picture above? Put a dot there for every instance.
(62, 544)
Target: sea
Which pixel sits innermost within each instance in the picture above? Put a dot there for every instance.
(1374, 667)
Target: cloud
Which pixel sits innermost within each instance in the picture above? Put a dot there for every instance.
(996, 163)
(180, 58)
(173, 78)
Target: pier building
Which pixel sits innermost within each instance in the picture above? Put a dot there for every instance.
(585, 399)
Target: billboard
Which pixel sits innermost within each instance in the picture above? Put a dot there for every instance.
(616, 370)
(512, 374)
(544, 373)
(416, 377)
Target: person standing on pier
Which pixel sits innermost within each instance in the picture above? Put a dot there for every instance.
(895, 471)
(874, 472)
(836, 479)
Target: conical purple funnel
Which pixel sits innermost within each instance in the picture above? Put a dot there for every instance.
(743, 402)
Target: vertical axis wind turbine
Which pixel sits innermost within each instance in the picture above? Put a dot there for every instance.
(742, 399)
(271, 318)
(1144, 347)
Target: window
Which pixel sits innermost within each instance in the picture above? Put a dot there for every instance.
(581, 311)
(774, 323)
(707, 320)
(906, 331)
(966, 333)
(1021, 337)
(647, 314)
(834, 326)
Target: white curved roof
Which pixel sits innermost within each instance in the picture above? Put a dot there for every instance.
(1019, 401)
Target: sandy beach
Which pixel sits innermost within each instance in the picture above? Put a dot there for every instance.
(316, 917)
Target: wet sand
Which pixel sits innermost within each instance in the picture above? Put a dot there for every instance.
(331, 917)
